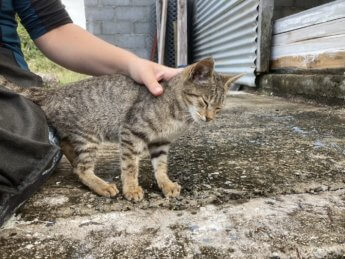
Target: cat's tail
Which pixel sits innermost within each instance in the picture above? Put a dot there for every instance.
(35, 94)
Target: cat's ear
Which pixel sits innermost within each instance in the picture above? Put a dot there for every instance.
(229, 79)
(201, 71)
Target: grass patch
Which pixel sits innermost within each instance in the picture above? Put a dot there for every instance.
(38, 63)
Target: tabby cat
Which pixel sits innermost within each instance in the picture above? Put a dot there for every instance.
(114, 108)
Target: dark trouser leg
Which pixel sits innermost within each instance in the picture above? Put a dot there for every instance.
(28, 150)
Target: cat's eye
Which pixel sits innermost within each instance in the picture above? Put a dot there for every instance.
(204, 102)
(191, 94)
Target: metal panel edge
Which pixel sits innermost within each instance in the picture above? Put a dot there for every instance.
(265, 28)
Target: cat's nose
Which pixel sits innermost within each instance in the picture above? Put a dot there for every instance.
(208, 118)
(209, 115)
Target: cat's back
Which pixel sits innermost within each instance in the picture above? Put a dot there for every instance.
(97, 101)
(99, 91)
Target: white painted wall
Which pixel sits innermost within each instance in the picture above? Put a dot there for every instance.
(76, 10)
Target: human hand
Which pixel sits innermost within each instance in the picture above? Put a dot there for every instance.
(150, 73)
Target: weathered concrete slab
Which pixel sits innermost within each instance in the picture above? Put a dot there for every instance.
(324, 88)
(266, 180)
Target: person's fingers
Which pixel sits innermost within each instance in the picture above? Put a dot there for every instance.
(155, 88)
(171, 72)
(152, 84)
(160, 76)
(151, 77)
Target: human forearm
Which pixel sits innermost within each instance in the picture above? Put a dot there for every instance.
(82, 52)
(78, 50)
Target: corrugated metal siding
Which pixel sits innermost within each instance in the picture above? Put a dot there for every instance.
(227, 31)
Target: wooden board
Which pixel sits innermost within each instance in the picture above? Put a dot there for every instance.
(331, 60)
(327, 29)
(324, 13)
(311, 40)
(161, 49)
(158, 20)
(314, 46)
(182, 36)
(266, 8)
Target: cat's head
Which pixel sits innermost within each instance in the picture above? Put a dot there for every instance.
(204, 90)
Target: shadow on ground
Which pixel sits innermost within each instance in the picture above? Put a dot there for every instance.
(266, 180)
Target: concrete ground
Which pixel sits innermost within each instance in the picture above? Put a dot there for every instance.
(266, 180)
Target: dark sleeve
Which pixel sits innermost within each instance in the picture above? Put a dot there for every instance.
(41, 16)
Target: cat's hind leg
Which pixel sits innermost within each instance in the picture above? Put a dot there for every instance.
(68, 151)
(159, 159)
(82, 155)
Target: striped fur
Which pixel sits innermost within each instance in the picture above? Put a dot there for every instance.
(114, 108)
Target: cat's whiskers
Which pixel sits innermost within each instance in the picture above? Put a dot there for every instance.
(188, 117)
(203, 118)
(197, 117)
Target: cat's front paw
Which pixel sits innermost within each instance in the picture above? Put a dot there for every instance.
(171, 189)
(106, 189)
(133, 193)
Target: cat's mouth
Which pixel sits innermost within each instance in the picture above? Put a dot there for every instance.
(197, 116)
(202, 117)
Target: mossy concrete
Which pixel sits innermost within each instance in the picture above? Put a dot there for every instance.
(323, 88)
(266, 180)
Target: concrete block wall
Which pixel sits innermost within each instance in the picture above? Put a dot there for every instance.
(124, 23)
(284, 8)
